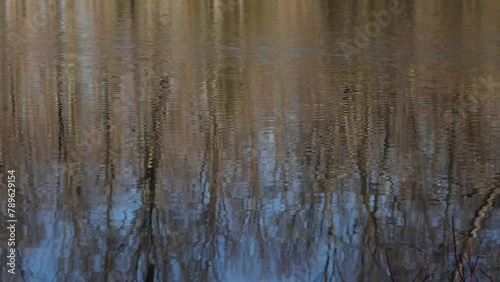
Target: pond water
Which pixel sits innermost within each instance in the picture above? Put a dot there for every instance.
(231, 140)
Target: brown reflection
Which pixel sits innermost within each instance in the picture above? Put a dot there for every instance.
(232, 141)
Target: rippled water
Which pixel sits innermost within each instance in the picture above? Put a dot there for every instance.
(257, 140)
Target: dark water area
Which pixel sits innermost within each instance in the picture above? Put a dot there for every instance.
(231, 140)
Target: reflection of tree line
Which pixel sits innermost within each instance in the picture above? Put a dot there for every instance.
(345, 149)
(157, 253)
(153, 155)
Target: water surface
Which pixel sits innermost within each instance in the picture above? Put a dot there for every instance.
(235, 141)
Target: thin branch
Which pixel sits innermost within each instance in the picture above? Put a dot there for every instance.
(473, 268)
(374, 258)
(418, 273)
(455, 248)
(429, 275)
(389, 264)
(489, 277)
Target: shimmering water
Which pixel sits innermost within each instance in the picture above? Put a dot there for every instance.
(231, 140)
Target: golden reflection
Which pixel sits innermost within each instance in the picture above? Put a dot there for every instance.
(228, 140)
